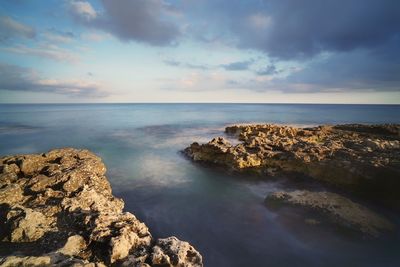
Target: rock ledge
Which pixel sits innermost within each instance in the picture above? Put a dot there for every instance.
(57, 208)
(359, 158)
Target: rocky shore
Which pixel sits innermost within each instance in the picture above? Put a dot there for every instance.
(57, 208)
(360, 159)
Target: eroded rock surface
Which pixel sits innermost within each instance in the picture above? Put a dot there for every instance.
(57, 208)
(360, 158)
(336, 208)
(173, 252)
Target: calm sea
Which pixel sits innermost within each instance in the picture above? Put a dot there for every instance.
(221, 214)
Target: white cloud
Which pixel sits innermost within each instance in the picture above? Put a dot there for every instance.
(83, 10)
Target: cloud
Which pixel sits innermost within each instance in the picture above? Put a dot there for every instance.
(15, 78)
(148, 21)
(10, 28)
(361, 70)
(375, 70)
(44, 51)
(175, 63)
(82, 10)
(268, 70)
(340, 45)
(56, 36)
(286, 29)
(95, 37)
(239, 65)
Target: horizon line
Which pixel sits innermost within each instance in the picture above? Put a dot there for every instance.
(223, 103)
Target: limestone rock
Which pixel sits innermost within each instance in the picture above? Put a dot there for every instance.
(26, 225)
(364, 159)
(59, 205)
(175, 253)
(75, 244)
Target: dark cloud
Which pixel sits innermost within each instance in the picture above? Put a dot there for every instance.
(360, 70)
(148, 21)
(340, 44)
(10, 28)
(268, 70)
(239, 65)
(15, 78)
(287, 29)
(375, 70)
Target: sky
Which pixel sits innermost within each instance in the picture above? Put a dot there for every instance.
(252, 51)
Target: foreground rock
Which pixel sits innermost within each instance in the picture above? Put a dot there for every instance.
(57, 209)
(361, 158)
(333, 208)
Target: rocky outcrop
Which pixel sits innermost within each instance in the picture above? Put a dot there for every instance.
(334, 208)
(360, 158)
(173, 252)
(57, 208)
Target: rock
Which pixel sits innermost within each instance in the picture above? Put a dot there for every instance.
(75, 244)
(57, 208)
(11, 194)
(13, 261)
(26, 225)
(175, 253)
(335, 208)
(364, 159)
(52, 259)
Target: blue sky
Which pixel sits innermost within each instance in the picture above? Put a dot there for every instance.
(272, 51)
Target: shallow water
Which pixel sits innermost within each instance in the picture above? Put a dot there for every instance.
(221, 214)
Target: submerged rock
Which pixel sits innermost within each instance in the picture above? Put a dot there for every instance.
(360, 158)
(57, 208)
(337, 209)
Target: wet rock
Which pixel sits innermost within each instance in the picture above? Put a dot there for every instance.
(173, 252)
(57, 208)
(337, 209)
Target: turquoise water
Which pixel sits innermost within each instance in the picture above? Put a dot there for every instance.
(221, 214)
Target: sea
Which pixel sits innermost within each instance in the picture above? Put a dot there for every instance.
(222, 214)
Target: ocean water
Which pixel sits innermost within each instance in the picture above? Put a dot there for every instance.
(220, 213)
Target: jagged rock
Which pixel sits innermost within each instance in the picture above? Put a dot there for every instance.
(336, 208)
(175, 253)
(59, 205)
(360, 158)
(25, 225)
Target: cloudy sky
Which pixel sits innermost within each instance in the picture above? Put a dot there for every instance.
(304, 51)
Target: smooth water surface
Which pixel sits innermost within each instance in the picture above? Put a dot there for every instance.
(221, 214)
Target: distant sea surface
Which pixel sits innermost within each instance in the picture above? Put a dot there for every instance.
(221, 214)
